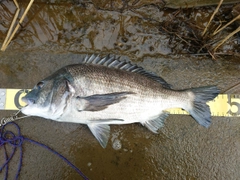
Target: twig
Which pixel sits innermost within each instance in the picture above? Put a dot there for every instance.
(4, 46)
(216, 10)
(226, 38)
(18, 25)
(219, 26)
(217, 31)
(20, 21)
(218, 53)
(233, 89)
(212, 55)
(182, 39)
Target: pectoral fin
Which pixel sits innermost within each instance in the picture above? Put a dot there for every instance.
(101, 133)
(154, 124)
(99, 102)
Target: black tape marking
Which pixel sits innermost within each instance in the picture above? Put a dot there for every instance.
(232, 103)
(17, 97)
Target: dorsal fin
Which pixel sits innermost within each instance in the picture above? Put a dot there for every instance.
(123, 65)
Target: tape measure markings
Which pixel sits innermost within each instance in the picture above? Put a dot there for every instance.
(2, 98)
(223, 105)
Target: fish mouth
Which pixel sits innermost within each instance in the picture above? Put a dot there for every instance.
(28, 101)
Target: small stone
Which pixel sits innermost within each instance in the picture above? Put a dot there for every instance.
(117, 144)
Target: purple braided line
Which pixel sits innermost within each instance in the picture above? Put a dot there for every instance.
(58, 154)
(6, 158)
(16, 141)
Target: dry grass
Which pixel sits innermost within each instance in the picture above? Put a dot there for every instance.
(195, 39)
(12, 32)
(214, 13)
(218, 29)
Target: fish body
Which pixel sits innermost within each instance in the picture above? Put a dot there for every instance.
(103, 91)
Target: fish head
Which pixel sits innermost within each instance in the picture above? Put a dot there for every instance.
(49, 97)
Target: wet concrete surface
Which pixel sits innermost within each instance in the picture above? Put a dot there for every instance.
(182, 149)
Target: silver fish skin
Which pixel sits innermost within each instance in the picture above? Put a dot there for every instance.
(103, 91)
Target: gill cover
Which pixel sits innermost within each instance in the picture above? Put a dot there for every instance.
(49, 97)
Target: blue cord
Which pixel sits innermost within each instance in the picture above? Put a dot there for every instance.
(16, 141)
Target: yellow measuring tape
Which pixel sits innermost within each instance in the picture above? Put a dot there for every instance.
(222, 105)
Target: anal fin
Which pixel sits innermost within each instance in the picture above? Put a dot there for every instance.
(101, 132)
(154, 124)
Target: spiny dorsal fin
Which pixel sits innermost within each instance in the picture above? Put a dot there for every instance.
(123, 65)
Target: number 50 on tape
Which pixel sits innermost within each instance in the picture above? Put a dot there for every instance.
(222, 105)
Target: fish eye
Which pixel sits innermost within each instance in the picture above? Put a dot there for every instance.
(40, 85)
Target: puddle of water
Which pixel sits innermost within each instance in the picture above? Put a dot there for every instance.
(137, 32)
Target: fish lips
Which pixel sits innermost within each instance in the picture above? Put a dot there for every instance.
(28, 101)
(31, 97)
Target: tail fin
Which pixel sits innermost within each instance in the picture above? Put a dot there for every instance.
(200, 110)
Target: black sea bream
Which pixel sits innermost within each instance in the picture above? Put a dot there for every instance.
(103, 91)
